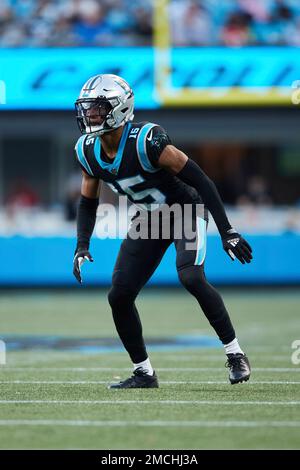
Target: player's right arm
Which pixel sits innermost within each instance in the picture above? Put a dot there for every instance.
(86, 219)
(90, 187)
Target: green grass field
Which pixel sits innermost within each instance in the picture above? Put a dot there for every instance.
(59, 400)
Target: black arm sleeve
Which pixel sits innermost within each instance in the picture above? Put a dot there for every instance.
(192, 174)
(86, 218)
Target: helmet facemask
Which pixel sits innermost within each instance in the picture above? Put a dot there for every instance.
(93, 115)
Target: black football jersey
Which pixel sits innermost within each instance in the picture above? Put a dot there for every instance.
(134, 171)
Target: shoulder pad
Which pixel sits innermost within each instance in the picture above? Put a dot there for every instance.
(80, 154)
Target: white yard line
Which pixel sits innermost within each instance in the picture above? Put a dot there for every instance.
(151, 402)
(164, 382)
(161, 369)
(219, 358)
(201, 424)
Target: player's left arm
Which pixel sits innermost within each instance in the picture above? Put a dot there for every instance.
(176, 162)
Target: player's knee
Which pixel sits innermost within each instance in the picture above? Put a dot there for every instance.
(192, 278)
(120, 296)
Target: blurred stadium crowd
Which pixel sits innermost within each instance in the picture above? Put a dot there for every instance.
(253, 210)
(63, 23)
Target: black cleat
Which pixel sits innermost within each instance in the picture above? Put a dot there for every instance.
(239, 368)
(139, 379)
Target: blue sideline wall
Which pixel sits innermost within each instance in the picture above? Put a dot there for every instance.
(48, 262)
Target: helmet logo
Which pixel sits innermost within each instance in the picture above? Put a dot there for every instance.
(122, 84)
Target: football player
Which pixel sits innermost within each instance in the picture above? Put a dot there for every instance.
(138, 159)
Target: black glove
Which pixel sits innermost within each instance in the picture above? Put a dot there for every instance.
(81, 255)
(237, 247)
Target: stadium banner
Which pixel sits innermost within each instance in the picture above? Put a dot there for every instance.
(28, 261)
(51, 78)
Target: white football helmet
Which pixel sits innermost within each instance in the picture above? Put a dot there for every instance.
(106, 102)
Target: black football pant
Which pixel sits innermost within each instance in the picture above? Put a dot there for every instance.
(136, 262)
